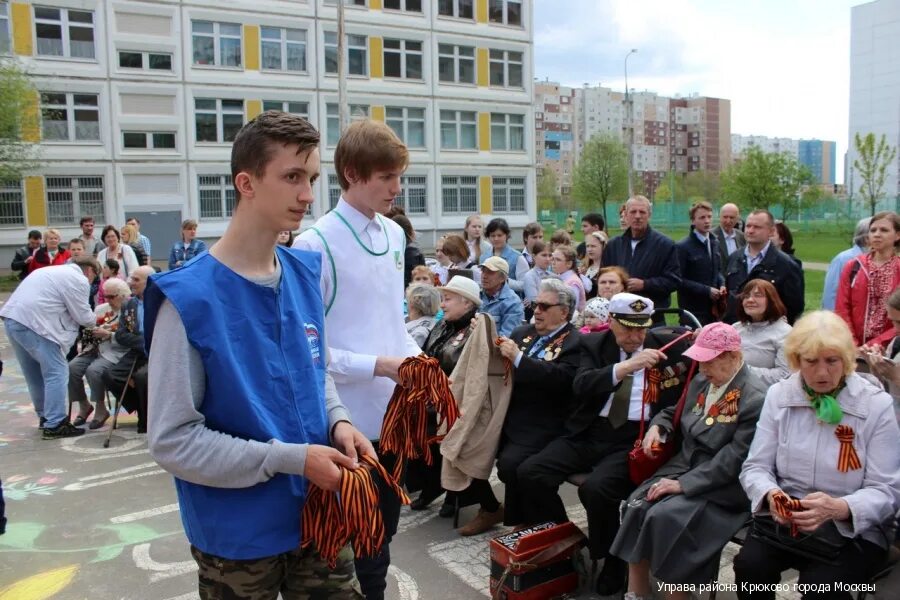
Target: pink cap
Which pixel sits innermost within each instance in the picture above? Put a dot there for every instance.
(714, 339)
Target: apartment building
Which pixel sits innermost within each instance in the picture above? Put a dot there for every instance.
(139, 101)
(555, 132)
(818, 155)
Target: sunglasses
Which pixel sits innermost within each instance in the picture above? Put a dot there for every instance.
(545, 306)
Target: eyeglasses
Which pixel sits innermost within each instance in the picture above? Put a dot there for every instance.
(545, 306)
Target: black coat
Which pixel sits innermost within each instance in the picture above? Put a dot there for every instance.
(654, 260)
(412, 258)
(18, 261)
(699, 272)
(593, 382)
(542, 389)
(777, 268)
(131, 332)
(447, 339)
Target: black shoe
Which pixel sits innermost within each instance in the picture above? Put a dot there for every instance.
(447, 510)
(63, 430)
(611, 580)
(142, 429)
(42, 422)
(424, 499)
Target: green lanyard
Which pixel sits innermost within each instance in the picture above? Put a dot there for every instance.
(387, 241)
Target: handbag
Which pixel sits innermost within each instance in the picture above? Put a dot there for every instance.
(640, 466)
(825, 544)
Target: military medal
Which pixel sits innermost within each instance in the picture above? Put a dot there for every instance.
(701, 403)
(710, 420)
(398, 260)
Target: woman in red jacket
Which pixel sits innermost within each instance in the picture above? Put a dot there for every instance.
(868, 280)
(50, 253)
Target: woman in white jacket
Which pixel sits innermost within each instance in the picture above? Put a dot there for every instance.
(118, 251)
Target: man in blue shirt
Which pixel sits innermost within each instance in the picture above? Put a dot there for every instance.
(497, 298)
(833, 276)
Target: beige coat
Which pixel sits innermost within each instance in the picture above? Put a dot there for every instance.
(470, 447)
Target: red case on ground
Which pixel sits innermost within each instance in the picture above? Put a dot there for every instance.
(548, 576)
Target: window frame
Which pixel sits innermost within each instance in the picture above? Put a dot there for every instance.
(6, 33)
(217, 36)
(507, 131)
(506, 62)
(64, 24)
(76, 189)
(405, 121)
(457, 58)
(333, 190)
(404, 54)
(224, 186)
(458, 186)
(456, 10)
(145, 61)
(284, 104)
(332, 47)
(283, 49)
(357, 112)
(9, 189)
(220, 121)
(150, 140)
(406, 186)
(505, 12)
(403, 7)
(458, 124)
(504, 183)
(70, 108)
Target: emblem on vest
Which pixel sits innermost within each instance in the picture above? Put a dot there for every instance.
(398, 260)
(312, 338)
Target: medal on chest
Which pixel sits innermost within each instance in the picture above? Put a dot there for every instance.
(458, 339)
(398, 260)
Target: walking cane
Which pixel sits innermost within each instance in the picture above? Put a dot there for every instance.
(119, 404)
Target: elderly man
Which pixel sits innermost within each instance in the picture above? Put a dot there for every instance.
(702, 283)
(545, 356)
(497, 298)
(130, 334)
(833, 276)
(24, 255)
(730, 238)
(41, 320)
(761, 260)
(602, 427)
(648, 256)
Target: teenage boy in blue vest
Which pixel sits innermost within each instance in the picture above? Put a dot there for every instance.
(242, 410)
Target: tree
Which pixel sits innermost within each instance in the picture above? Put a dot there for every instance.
(601, 173)
(871, 164)
(18, 122)
(547, 189)
(761, 180)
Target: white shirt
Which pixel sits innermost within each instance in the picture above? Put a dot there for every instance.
(637, 391)
(52, 302)
(365, 319)
(752, 261)
(127, 260)
(730, 241)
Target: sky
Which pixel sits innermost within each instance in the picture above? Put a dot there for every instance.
(784, 64)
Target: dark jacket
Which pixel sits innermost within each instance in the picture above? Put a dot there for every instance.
(654, 260)
(412, 257)
(139, 253)
(699, 272)
(739, 239)
(131, 331)
(447, 340)
(777, 268)
(18, 261)
(594, 384)
(542, 386)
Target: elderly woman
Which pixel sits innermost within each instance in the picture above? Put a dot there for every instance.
(611, 281)
(763, 327)
(116, 250)
(824, 464)
(676, 523)
(423, 302)
(99, 353)
(50, 254)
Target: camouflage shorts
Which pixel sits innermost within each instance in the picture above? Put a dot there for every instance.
(296, 575)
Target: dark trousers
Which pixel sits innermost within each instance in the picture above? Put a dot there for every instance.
(372, 571)
(116, 379)
(600, 450)
(2, 511)
(509, 458)
(761, 563)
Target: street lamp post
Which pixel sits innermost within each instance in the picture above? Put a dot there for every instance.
(629, 119)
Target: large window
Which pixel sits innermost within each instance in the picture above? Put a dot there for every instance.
(283, 49)
(404, 5)
(333, 123)
(506, 68)
(413, 197)
(152, 61)
(461, 9)
(408, 124)
(64, 32)
(148, 140)
(507, 132)
(218, 120)
(12, 203)
(506, 12)
(456, 64)
(4, 33)
(216, 196)
(301, 109)
(69, 117)
(459, 130)
(216, 44)
(459, 194)
(356, 56)
(508, 195)
(403, 58)
(69, 198)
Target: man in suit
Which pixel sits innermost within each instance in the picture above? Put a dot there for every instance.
(648, 256)
(702, 282)
(727, 233)
(545, 356)
(131, 335)
(602, 427)
(759, 259)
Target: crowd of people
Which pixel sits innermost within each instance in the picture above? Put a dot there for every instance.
(265, 363)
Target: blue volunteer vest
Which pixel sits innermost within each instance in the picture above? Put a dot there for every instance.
(264, 356)
(511, 256)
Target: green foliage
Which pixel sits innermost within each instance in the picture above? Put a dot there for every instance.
(765, 180)
(17, 116)
(601, 174)
(871, 163)
(690, 187)
(548, 196)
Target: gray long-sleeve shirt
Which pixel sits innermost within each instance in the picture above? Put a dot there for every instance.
(177, 434)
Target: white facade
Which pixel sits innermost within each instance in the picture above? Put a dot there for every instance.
(875, 84)
(740, 143)
(139, 100)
